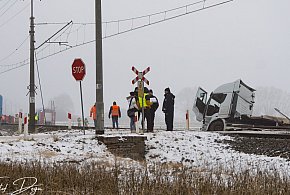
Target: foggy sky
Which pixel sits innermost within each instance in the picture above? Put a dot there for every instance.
(242, 39)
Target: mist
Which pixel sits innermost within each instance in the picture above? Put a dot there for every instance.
(245, 40)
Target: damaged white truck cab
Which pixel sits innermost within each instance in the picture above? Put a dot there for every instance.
(228, 103)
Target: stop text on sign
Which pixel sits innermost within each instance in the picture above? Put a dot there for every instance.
(77, 70)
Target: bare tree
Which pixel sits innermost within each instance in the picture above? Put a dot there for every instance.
(268, 98)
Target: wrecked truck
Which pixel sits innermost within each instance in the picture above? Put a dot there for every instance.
(228, 105)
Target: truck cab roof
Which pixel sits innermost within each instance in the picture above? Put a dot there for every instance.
(232, 87)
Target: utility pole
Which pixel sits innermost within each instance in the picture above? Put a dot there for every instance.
(31, 124)
(99, 70)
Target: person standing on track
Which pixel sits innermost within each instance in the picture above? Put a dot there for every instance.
(115, 113)
(144, 103)
(153, 108)
(168, 109)
(93, 114)
(132, 109)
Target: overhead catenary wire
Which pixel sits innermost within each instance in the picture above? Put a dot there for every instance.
(25, 62)
(156, 13)
(149, 23)
(1, 60)
(62, 23)
(54, 35)
(66, 27)
(169, 18)
(4, 5)
(126, 19)
(9, 7)
(12, 17)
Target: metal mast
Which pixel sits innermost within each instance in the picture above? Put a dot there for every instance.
(31, 124)
(99, 70)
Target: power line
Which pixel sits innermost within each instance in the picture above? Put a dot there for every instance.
(20, 64)
(165, 15)
(14, 50)
(148, 23)
(66, 27)
(15, 64)
(9, 8)
(4, 5)
(62, 23)
(23, 63)
(157, 13)
(126, 19)
(14, 16)
(47, 41)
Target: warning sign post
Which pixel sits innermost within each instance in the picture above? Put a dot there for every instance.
(141, 80)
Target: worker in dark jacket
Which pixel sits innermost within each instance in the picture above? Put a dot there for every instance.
(153, 108)
(168, 108)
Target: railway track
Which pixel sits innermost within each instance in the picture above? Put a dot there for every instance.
(240, 130)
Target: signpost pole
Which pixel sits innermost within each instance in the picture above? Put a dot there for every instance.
(141, 79)
(143, 117)
(79, 72)
(82, 107)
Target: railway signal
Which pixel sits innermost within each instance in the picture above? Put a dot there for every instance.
(141, 80)
(140, 75)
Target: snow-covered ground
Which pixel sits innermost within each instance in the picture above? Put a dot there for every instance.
(191, 148)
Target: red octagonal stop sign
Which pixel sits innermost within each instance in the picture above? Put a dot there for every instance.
(78, 69)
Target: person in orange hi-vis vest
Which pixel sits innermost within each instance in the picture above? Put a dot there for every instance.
(93, 114)
(115, 113)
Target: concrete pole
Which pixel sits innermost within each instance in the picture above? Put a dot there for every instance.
(143, 117)
(32, 84)
(99, 70)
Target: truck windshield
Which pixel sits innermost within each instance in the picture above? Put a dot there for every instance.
(214, 103)
(219, 97)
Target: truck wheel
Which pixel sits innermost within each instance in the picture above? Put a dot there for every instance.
(216, 126)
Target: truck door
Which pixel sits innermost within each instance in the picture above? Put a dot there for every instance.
(200, 104)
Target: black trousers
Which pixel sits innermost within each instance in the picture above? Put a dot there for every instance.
(148, 117)
(152, 113)
(169, 120)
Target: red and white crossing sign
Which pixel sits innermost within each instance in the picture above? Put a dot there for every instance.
(146, 70)
(140, 75)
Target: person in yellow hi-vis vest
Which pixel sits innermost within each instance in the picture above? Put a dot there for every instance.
(145, 102)
(115, 113)
(36, 117)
